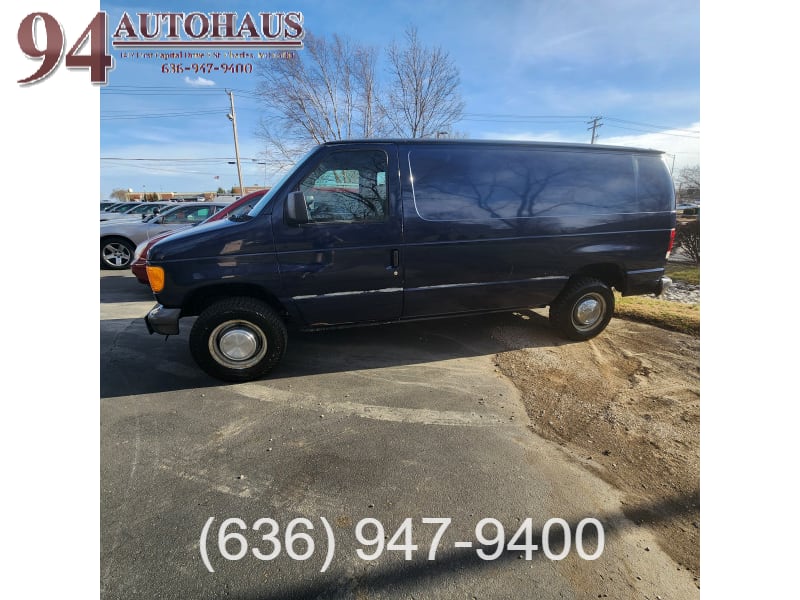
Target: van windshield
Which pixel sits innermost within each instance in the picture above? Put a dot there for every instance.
(265, 200)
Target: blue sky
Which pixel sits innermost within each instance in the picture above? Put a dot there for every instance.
(529, 70)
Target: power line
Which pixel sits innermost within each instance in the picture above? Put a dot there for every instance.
(692, 137)
(253, 95)
(131, 90)
(653, 126)
(151, 168)
(129, 116)
(532, 117)
(207, 158)
(182, 90)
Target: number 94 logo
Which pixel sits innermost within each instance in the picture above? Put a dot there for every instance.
(98, 61)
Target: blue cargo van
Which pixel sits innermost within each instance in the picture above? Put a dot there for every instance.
(378, 231)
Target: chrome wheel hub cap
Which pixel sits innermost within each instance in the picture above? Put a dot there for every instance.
(238, 344)
(588, 312)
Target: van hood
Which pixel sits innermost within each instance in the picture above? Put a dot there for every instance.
(223, 238)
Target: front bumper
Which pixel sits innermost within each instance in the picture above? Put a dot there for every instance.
(163, 320)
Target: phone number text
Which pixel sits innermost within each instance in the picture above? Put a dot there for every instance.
(207, 68)
(265, 539)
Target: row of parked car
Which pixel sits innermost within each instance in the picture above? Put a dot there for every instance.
(128, 231)
(131, 210)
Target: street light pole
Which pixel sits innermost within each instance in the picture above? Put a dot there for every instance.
(232, 117)
(256, 162)
(265, 171)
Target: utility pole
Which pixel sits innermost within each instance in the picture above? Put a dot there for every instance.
(232, 117)
(594, 127)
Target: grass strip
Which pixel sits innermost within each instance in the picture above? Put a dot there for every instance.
(675, 316)
(683, 272)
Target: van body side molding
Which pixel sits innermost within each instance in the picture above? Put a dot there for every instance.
(478, 283)
(353, 293)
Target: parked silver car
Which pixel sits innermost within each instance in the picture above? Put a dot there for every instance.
(118, 239)
(136, 210)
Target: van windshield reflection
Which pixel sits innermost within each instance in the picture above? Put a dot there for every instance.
(264, 202)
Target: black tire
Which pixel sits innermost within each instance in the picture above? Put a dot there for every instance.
(583, 309)
(238, 339)
(116, 253)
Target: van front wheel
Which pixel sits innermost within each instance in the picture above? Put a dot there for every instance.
(238, 339)
(583, 309)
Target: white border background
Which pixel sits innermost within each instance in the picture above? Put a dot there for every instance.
(50, 517)
(50, 439)
(751, 209)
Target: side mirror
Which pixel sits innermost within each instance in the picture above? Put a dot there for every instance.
(296, 209)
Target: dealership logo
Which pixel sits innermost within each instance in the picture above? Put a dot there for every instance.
(216, 29)
(42, 38)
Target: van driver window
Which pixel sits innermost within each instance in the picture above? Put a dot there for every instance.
(347, 186)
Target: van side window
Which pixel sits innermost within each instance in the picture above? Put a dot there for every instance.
(347, 186)
(473, 184)
(656, 192)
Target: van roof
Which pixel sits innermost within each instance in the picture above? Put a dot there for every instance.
(518, 143)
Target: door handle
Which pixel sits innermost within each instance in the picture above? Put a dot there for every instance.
(394, 262)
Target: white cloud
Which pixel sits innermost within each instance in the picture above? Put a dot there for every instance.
(530, 136)
(676, 143)
(199, 81)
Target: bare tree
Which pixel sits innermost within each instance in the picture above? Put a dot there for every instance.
(423, 97)
(326, 92)
(687, 237)
(366, 101)
(330, 91)
(119, 194)
(689, 183)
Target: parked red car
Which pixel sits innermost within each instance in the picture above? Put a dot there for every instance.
(241, 206)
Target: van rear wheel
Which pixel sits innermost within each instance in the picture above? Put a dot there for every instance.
(238, 339)
(583, 309)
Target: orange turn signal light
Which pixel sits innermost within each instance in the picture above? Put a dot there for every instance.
(155, 275)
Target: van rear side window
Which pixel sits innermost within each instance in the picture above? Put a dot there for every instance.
(656, 191)
(474, 184)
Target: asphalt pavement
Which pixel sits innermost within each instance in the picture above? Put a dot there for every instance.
(357, 433)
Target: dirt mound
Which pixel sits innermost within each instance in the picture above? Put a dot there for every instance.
(627, 405)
